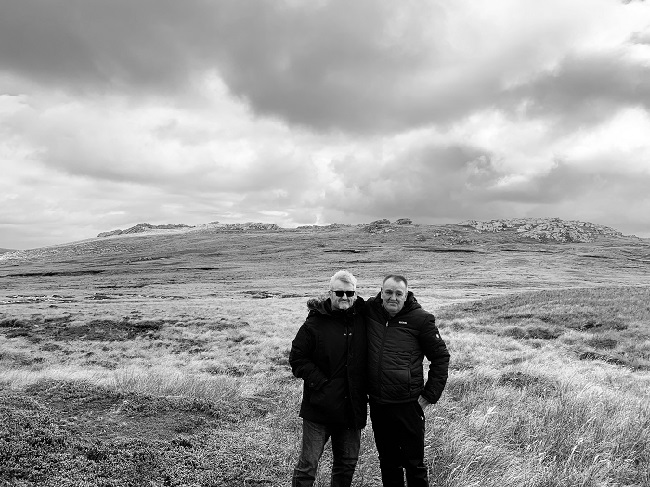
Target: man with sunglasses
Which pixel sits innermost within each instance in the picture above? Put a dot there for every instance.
(400, 334)
(329, 354)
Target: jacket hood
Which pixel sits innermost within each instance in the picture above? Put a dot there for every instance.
(409, 305)
(323, 305)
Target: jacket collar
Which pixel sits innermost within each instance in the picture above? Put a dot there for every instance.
(323, 306)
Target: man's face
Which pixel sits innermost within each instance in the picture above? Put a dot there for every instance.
(393, 296)
(345, 301)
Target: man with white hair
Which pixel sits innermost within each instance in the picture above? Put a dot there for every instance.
(329, 354)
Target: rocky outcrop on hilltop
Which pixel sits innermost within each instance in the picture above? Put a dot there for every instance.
(226, 227)
(378, 226)
(539, 229)
(546, 229)
(384, 225)
(143, 227)
(246, 227)
(323, 228)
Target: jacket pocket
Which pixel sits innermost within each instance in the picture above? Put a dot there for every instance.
(396, 384)
(330, 399)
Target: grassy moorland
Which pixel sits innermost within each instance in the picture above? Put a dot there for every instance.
(162, 359)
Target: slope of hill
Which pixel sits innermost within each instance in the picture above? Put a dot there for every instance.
(447, 261)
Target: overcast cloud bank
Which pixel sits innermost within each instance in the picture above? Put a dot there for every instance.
(297, 113)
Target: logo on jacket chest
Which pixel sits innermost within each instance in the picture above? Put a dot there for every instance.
(403, 322)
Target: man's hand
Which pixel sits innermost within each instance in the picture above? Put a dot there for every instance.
(423, 402)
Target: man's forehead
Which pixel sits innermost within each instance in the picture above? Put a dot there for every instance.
(342, 286)
(393, 284)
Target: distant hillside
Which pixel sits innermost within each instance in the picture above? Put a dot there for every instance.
(148, 228)
(522, 229)
(4, 251)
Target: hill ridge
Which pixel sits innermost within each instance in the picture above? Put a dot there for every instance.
(471, 232)
(541, 229)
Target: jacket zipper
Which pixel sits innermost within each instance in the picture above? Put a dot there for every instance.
(381, 355)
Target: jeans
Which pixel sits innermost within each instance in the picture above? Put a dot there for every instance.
(345, 453)
(399, 436)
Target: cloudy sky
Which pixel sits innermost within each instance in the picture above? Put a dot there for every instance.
(313, 112)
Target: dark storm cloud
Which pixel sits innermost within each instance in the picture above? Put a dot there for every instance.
(364, 66)
(337, 67)
(359, 66)
(426, 182)
(568, 183)
(456, 183)
(92, 46)
(585, 90)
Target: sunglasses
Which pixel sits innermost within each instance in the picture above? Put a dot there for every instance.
(340, 294)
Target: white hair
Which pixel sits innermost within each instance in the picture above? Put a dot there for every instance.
(343, 276)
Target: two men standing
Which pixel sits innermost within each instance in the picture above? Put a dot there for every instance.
(383, 356)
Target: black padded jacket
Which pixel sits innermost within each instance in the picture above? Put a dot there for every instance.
(329, 354)
(396, 348)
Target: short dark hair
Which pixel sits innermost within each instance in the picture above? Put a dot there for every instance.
(396, 278)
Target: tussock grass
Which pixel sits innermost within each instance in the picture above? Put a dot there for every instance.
(172, 382)
(522, 429)
(210, 400)
(608, 324)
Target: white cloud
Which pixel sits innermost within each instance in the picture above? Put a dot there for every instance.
(620, 145)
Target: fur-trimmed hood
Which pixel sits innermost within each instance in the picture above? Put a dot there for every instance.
(323, 305)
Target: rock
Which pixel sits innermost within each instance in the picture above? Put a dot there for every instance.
(110, 234)
(261, 226)
(331, 226)
(378, 226)
(403, 221)
(249, 226)
(145, 227)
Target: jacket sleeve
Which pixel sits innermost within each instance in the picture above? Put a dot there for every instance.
(435, 350)
(301, 358)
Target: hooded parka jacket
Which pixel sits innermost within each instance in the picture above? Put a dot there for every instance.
(329, 354)
(396, 348)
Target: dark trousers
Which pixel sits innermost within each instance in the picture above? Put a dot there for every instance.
(345, 453)
(399, 436)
